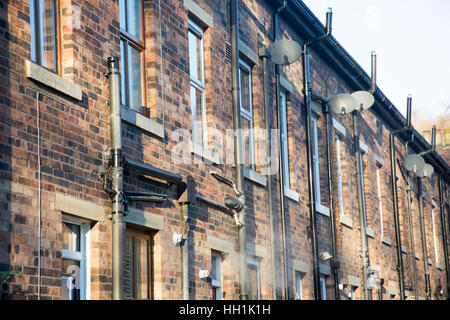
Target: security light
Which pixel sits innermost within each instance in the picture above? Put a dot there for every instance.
(178, 239)
(325, 256)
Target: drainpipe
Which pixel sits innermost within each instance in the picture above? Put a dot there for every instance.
(364, 253)
(312, 198)
(264, 57)
(234, 15)
(411, 230)
(442, 203)
(280, 157)
(401, 280)
(335, 262)
(118, 225)
(185, 252)
(424, 242)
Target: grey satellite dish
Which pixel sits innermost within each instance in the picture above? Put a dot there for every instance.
(426, 171)
(364, 99)
(284, 52)
(414, 162)
(342, 103)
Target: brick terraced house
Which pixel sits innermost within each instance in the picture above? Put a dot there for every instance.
(206, 226)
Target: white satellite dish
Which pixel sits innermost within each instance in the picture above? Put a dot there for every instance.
(364, 99)
(414, 162)
(342, 103)
(284, 52)
(427, 171)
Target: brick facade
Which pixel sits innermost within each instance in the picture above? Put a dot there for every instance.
(52, 144)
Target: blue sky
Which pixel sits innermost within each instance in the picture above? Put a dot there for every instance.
(412, 41)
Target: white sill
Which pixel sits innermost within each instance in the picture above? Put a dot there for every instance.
(320, 208)
(370, 232)
(207, 154)
(142, 122)
(417, 256)
(386, 240)
(46, 77)
(404, 249)
(439, 267)
(255, 176)
(346, 221)
(430, 261)
(291, 194)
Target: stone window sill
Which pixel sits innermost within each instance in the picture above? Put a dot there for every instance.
(320, 208)
(254, 176)
(142, 122)
(370, 233)
(346, 221)
(52, 80)
(205, 154)
(291, 194)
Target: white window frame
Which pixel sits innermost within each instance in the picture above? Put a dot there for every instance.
(434, 236)
(247, 114)
(83, 256)
(298, 285)
(218, 284)
(284, 139)
(196, 84)
(255, 263)
(361, 153)
(323, 287)
(380, 202)
(316, 166)
(337, 140)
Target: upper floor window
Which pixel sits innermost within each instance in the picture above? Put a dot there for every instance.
(284, 139)
(197, 86)
(337, 140)
(245, 82)
(131, 53)
(436, 255)
(316, 165)
(380, 203)
(44, 33)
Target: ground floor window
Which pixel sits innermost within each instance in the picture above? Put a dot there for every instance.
(323, 287)
(75, 259)
(216, 276)
(254, 289)
(298, 285)
(138, 270)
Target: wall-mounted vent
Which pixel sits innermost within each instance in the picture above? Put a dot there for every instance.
(228, 54)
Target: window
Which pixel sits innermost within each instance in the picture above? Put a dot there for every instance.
(75, 259)
(216, 276)
(362, 187)
(434, 236)
(298, 285)
(245, 82)
(380, 204)
(316, 166)
(131, 54)
(44, 33)
(323, 288)
(253, 280)
(284, 139)
(339, 175)
(137, 275)
(197, 86)
(352, 292)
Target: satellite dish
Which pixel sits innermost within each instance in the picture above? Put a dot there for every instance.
(426, 171)
(284, 52)
(342, 103)
(364, 99)
(414, 162)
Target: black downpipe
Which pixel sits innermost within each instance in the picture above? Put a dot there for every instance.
(424, 242)
(442, 204)
(312, 190)
(269, 176)
(411, 229)
(234, 17)
(280, 161)
(362, 208)
(335, 262)
(401, 280)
